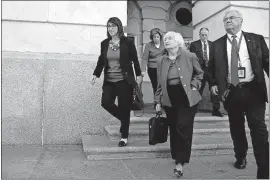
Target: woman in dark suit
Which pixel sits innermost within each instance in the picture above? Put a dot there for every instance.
(117, 55)
(179, 77)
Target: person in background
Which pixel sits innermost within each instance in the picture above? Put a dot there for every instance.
(239, 61)
(203, 48)
(152, 53)
(116, 57)
(179, 76)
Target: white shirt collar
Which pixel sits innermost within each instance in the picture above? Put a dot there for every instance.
(237, 35)
(205, 42)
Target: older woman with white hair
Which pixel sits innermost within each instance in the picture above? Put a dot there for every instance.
(179, 77)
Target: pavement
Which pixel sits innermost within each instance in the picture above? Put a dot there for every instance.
(69, 162)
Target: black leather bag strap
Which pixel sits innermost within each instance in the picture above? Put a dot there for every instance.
(137, 91)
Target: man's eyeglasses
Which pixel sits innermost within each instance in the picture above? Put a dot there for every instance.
(230, 18)
(111, 26)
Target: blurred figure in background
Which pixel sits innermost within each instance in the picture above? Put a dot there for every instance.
(203, 48)
(152, 53)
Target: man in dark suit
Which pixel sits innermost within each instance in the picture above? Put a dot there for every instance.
(204, 51)
(239, 62)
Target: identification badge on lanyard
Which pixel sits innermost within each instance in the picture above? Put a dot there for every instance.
(241, 72)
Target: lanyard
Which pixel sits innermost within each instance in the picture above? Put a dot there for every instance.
(238, 48)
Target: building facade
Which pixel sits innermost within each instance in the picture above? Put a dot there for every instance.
(50, 48)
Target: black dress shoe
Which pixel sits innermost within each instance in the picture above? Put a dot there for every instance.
(217, 113)
(122, 143)
(178, 173)
(241, 163)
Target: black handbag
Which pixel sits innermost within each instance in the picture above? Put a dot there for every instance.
(158, 129)
(137, 101)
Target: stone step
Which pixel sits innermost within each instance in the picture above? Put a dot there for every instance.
(198, 118)
(101, 148)
(144, 119)
(141, 131)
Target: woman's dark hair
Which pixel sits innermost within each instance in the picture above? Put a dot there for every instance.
(118, 23)
(155, 31)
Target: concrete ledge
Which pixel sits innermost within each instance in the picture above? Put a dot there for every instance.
(101, 148)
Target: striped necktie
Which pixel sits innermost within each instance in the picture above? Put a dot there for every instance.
(205, 57)
(234, 62)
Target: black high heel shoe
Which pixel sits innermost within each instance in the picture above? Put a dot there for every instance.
(178, 173)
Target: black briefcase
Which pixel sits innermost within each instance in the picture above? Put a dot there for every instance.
(158, 130)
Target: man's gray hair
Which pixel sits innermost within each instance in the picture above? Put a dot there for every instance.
(234, 10)
(178, 38)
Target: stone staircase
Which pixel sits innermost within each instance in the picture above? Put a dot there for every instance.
(211, 135)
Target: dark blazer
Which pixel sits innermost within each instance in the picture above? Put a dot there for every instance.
(196, 47)
(128, 54)
(259, 58)
(190, 74)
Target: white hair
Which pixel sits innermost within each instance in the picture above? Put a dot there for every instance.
(234, 10)
(178, 38)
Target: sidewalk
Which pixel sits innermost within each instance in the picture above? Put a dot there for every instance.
(68, 162)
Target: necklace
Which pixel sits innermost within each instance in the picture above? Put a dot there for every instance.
(114, 46)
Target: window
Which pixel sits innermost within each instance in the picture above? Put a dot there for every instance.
(183, 16)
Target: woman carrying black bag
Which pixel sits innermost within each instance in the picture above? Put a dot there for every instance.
(179, 77)
(116, 57)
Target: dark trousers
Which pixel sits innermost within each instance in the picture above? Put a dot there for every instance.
(181, 119)
(214, 98)
(152, 73)
(123, 91)
(249, 100)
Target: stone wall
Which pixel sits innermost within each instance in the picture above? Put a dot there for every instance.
(48, 98)
(75, 27)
